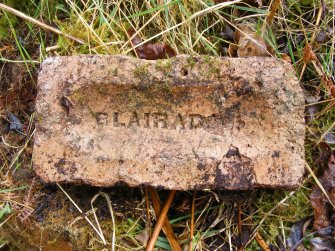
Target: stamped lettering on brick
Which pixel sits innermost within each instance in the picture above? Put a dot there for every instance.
(232, 124)
(158, 120)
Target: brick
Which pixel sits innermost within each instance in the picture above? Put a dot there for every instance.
(181, 123)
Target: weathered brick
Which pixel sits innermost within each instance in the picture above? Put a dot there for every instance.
(181, 123)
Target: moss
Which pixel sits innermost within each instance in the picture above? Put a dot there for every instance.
(115, 72)
(207, 59)
(77, 97)
(102, 90)
(295, 208)
(142, 72)
(93, 113)
(77, 28)
(215, 97)
(164, 66)
(166, 89)
(191, 62)
(212, 67)
(39, 118)
(8, 19)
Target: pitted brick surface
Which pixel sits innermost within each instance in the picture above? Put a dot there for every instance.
(181, 123)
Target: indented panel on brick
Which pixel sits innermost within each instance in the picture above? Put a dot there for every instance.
(181, 123)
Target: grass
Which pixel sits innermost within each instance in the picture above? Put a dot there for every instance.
(33, 215)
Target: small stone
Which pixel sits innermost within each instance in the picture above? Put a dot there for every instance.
(180, 123)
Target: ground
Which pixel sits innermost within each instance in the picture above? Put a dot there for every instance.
(35, 216)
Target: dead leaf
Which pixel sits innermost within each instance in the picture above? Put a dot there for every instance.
(298, 231)
(328, 83)
(150, 51)
(324, 35)
(324, 243)
(321, 209)
(143, 237)
(312, 96)
(227, 32)
(310, 113)
(329, 138)
(7, 48)
(183, 205)
(308, 54)
(312, 109)
(232, 50)
(318, 200)
(286, 58)
(250, 44)
(15, 123)
(279, 242)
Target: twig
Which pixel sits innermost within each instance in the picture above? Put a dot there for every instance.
(264, 246)
(39, 23)
(192, 222)
(273, 9)
(261, 242)
(20, 61)
(52, 48)
(317, 24)
(239, 224)
(148, 212)
(166, 224)
(259, 239)
(6, 144)
(162, 217)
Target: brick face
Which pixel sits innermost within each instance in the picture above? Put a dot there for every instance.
(181, 123)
